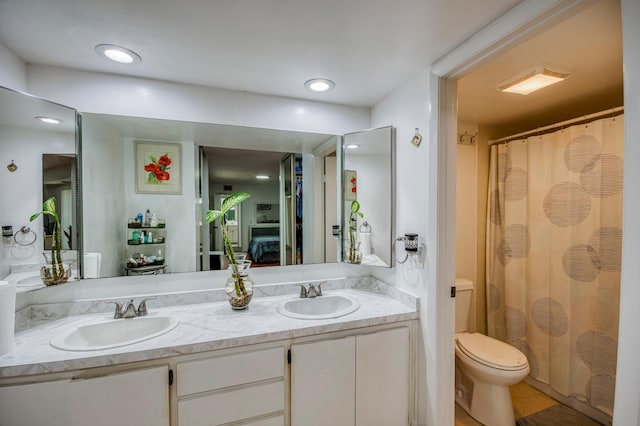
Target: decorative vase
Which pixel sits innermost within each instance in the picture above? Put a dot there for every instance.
(352, 253)
(55, 274)
(239, 286)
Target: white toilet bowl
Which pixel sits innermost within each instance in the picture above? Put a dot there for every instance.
(485, 368)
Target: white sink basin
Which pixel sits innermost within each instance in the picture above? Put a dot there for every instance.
(113, 333)
(321, 307)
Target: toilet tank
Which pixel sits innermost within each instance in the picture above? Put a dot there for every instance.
(464, 291)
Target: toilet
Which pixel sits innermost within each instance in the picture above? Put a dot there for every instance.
(485, 368)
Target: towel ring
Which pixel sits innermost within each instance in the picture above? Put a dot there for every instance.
(25, 238)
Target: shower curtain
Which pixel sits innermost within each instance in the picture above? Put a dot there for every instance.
(554, 236)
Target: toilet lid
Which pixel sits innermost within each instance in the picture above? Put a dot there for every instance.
(490, 351)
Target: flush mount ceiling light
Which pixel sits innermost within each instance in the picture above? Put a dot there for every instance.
(262, 177)
(532, 80)
(353, 146)
(48, 120)
(118, 54)
(319, 84)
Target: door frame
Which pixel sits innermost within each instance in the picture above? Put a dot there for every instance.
(524, 20)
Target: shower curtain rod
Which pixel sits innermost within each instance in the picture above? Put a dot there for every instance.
(547, 129)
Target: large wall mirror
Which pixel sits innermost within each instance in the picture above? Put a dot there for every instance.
(38, 156)
(296, 209)
(368, 196)
(283, 223)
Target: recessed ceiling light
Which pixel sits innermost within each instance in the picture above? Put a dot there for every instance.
(319, 84)
(532, 80)
(49, 120)
(262, 177)
(118, 54)
(353, 146)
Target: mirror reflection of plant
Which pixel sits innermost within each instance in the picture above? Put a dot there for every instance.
(49, 208)
(353, 227)
(229, 203)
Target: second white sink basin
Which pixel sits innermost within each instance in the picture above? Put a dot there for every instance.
(321, 307)
(113, 333)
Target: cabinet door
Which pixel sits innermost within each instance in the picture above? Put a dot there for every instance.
(35, 404)
(136, 398)
(323, 383)
(382, 378)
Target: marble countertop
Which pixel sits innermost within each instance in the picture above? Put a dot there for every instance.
(203, 327)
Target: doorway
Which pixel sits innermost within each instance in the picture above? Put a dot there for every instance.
(451, 128)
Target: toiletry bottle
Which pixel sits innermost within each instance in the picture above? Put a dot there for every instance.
(149, 237)
(154, 220)
(139, 217)
(147, 218)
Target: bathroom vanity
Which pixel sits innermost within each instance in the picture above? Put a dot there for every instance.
(224, 367)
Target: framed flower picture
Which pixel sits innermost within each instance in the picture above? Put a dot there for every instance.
(158, 168)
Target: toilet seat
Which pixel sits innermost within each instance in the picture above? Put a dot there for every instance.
(491, 352)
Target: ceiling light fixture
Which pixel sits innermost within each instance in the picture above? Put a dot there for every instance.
(319, 84)
(262, 177)
(48, 120)
(353, 146)
(532, 80)
(118, 54)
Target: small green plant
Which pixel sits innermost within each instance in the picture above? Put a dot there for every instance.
(352, 254)
(229, 202)
(57, 268)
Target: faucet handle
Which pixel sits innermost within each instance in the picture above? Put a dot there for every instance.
(303, 290)
(319, 288)
(142, 306)
(118, 313)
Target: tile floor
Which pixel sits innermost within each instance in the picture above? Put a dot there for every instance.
(526, 400)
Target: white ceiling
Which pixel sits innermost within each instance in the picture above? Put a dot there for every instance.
(367, 47)
(588, 45)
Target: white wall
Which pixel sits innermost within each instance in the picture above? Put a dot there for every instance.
(627, 401)
(137, 97)
(466, 205)
(373, 182)
(408, 108)
(466, 214)
(178, 210)
(103, 172)
(13, 71)
(25, 147)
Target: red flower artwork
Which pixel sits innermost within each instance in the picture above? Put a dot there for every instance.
(158, 169)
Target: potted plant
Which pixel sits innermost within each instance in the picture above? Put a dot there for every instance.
(239, 287)
(55, 272)
(353, 253)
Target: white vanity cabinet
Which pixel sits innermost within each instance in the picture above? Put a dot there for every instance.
(139, 397)
(239, 387)
(360, 380)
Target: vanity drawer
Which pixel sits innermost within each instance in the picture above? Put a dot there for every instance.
(234, 405)
(229, 370)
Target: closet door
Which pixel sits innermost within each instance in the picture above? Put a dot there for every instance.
(288, 210)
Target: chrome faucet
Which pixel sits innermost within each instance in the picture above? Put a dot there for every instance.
(314, 290)
(129, 310)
